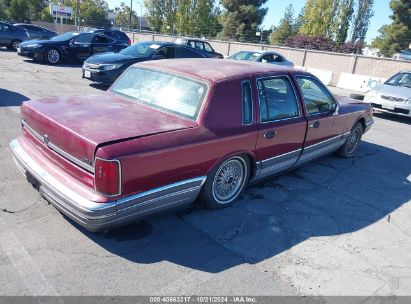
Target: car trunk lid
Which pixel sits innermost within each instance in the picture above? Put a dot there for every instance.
(75, 126)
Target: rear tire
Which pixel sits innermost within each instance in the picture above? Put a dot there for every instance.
(14, 45)
(351, 145)
(226, 182)
(52, 56)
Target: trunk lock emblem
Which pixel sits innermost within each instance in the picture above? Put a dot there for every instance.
(46, 139)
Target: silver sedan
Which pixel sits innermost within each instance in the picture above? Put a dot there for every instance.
(262, 56)
(394, 96)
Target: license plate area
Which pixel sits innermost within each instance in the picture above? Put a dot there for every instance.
(87, 74)
(33, 181)
(388, 106)
(18, 50)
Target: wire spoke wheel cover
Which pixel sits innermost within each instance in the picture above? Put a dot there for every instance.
(353, 140)
(53, 56)
(229, 180)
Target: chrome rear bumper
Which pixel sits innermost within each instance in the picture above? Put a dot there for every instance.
(99, 216)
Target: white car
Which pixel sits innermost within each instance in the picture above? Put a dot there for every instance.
(262, 56)
(394, 96)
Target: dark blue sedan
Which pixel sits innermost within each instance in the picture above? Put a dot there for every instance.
(105, 68)
(69, 46)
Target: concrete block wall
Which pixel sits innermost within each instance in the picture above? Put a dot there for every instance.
(335, 63)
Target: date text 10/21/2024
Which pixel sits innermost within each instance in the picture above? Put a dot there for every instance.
(203, 299)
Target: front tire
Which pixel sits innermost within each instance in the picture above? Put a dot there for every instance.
(52, 56)
(226, 182)
(351, 145)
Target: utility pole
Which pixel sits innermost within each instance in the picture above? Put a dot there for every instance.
(78, 15)
(131, 12)
(141, 14)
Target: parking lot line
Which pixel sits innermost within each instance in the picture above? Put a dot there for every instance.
(30, 274)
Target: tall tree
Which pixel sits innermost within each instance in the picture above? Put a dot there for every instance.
(362, 18)
(204, 18)
(169, 16)
(286, 28)
(19, 10)
(343, 20)
(123, 17)
(183, 17)
(319, 18)
(154, 14)
(397, 35)
(242, 19)
(92, 12)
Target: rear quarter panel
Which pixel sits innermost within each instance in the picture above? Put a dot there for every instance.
(353, 111)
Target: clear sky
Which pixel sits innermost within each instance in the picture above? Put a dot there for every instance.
(276, 10)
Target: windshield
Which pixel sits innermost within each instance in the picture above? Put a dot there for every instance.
(65, 36)
(400, 79)
(140, 49)
(251, 56)
(175, 94)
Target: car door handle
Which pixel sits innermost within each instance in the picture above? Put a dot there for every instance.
(315, 124)
(270, 134)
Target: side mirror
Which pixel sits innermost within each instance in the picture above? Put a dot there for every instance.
(335, 109)
(264, 61)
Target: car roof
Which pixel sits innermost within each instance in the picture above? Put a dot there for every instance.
(35, 25)
(262, 52)
(213, 70)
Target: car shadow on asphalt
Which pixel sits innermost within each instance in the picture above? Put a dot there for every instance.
(4, 49)
(10, 98)
(393, 117)
(99, 86)
(65, 64)
(328, 197)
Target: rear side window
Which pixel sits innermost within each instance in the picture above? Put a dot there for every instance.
(247, 103)
(208, 47)
(183, 52)
(121, 35)
(102, 39)
(85, 38)
(112, 35)
(277, 99)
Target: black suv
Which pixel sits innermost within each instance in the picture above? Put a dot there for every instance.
(11, 36)
(116, 35)
(199, 44)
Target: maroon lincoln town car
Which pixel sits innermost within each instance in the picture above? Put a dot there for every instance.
(168, 132)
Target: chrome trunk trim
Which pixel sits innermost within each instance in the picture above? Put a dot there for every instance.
(56, 149)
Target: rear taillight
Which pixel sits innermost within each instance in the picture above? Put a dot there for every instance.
(129, 42)
(107, 176)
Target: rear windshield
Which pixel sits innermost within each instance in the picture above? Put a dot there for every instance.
(174, 94)
(141, 49)
(65, 36)
(251, 56)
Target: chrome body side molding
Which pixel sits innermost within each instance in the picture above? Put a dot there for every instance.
(321, 148)
(295, 158)
(276, 164)
(99, 216)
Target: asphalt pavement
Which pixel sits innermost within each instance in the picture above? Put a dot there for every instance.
(332, 227)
